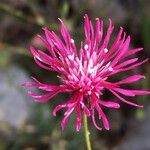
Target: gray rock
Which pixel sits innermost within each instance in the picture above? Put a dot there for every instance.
(139, 137)
(15, 104)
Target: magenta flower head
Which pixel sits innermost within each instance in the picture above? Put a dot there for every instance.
(85, 73)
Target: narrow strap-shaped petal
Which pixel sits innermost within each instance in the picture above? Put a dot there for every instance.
(77, 98)
(127, 43)
(34, 52)
(48, 43)
(79, 118)
(131, 92)
(32, 84)
(66, 35)
(122, 51)
(43, 65)
(85, 109)
(53, 62)
(49, 88)
(107, 37)
(133, 51)
(65, 119)
(128, 68)
(130, 79)
(108, 85)
(98, 30)
(95, 104)
(116, 42)
(140, 92)
(135, 65)
(124, 91)
(114, 48)
(94, 121)
(109, 104)
(124, 100)
(87, 28)
(126, 63)
(38, 57)
(45, 58)
(69, 103)
(92, 36)
(45, 61)
(45, 87)
(42, 98)
(57, 108)
(103, 116)
(59, 44)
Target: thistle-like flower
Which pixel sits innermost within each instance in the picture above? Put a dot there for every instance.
(86, 73)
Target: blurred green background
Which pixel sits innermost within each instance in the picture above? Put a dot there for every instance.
(25, 125)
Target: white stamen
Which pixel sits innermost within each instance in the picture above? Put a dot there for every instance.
(75, 78)
(110, 69)
(97, 94)
(107, 65)
(70, 77)
(86, 46)
(92, 87)
(91, 63)
(71, 57)
(90, 66)
(61, 68)
(90, 70)
(106, 50)
(72, 41)
(37, 57)
(81, 90)
(89, 92)
(58, 76)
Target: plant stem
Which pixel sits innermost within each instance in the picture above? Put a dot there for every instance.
(86, 132)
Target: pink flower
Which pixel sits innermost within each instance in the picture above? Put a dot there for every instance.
(86, 73)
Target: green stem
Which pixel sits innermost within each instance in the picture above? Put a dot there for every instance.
(86, 132)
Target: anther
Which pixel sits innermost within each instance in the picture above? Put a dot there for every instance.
(106, 50)
(86, 46)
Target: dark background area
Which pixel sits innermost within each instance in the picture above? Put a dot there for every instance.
(25, 125)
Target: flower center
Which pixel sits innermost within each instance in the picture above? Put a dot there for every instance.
(85, 71)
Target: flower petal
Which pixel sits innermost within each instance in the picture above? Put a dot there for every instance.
(104, 118)
(42, 98)
(98, 30)
(109, 104)
(85, 109)
(125, 101)
(130, 79)
(93, 119)
(135, 65)
(66, 35)
(125, 63)
(133, 51)
(87, 28)
(79, 118)
(124, 91)
(65, 119)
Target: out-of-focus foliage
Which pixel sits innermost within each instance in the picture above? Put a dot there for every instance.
(20, 21)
